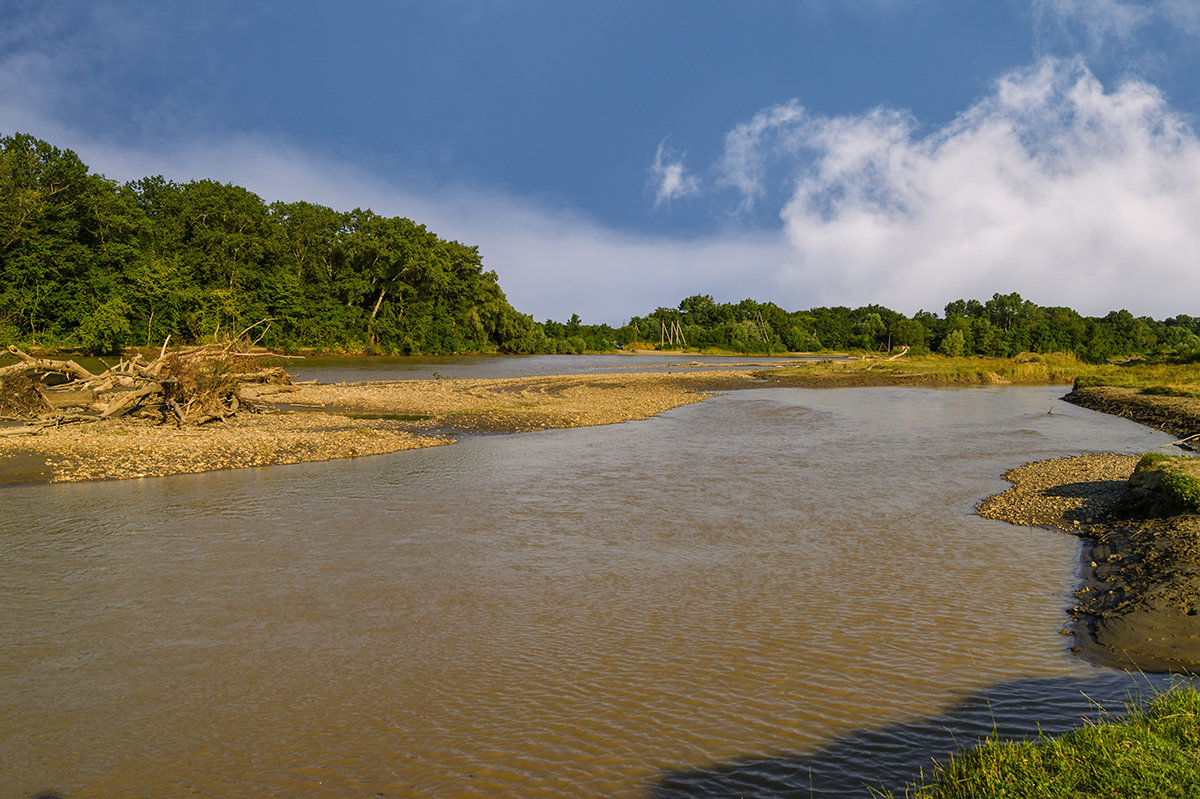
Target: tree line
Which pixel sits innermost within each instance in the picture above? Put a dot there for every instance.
(88, 262)
(91, 263)
(1003, 326)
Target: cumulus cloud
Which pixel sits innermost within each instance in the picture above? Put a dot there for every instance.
(669, 177)
(1051, 186)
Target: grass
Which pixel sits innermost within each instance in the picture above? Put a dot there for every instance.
(1163, 379)
(1151, 753)
(1170, 379)
(934, 370)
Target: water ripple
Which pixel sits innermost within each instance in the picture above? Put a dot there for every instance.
(772, 593)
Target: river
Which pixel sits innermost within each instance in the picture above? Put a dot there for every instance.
(776, 592)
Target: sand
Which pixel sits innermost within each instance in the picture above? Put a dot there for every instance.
(323, 422)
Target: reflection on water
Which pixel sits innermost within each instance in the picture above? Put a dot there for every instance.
(774, 592)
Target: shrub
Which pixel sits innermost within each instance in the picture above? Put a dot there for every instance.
(1152, 460)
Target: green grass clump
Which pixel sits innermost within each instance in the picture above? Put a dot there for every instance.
(1179, 477)
(1183, 488)
(1151, 753)
(1152, 461)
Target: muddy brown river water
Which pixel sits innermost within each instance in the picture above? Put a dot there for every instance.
(777, 592)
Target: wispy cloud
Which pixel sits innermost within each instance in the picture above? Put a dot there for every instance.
(64, 62)
(669, 176)
(1183, 13)
(551, 261)
(751, 146)
(1089, 26)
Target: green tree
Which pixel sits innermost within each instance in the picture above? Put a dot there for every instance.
(910, 333)
(868, 331)
(953, 344)
(702, 310)
(388, 256)
(44, 255)
(107, 329)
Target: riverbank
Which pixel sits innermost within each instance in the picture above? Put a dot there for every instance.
(324, 422)
(1139, 605)
(1177, 415)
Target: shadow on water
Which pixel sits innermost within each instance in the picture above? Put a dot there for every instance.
(866, 762)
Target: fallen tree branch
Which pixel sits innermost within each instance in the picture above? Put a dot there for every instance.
(30, 362)
(128, 401)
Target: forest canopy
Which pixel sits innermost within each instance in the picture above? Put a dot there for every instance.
(1004, 326)
(90, 263)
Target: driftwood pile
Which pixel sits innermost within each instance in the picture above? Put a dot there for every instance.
(186, 387)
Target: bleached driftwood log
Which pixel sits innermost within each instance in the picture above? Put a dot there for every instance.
(190, 386)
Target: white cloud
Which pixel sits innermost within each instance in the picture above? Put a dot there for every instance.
(1051, 187)
(670, 178)
(750, 146)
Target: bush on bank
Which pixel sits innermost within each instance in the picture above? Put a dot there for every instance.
(1178, 478)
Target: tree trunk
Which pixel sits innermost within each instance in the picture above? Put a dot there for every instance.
(378, 301)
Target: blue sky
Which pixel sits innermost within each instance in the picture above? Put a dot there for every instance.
(612, 157)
